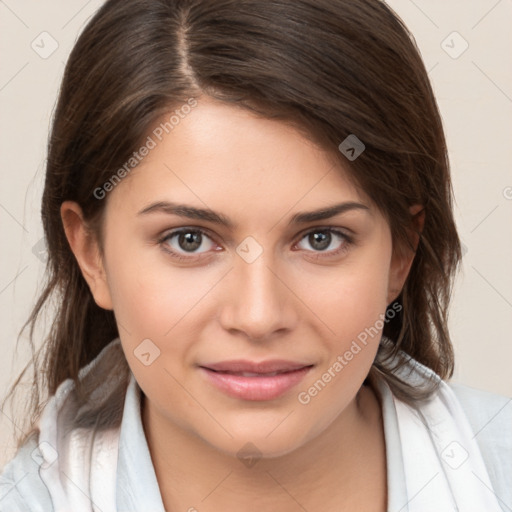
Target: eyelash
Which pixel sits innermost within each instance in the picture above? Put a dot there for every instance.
(347, 242)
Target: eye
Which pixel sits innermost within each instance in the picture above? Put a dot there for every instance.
(327, 240)
(185, 241)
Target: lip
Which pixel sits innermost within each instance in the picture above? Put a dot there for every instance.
(243, 365)
(226, 377)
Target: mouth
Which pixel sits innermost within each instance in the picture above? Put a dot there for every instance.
(255, 385)
(252, 374)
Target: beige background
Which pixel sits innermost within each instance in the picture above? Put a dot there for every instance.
(473, 86)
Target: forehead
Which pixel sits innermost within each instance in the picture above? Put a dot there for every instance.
(219, 154)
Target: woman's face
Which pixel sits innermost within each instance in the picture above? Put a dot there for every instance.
(268, 284)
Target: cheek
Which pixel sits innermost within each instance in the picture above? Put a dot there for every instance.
(155, 308)
(351, 298)
(149, 295)
(352, 307)
(353, 310)
(164, 304)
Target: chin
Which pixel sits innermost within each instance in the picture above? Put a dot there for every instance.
(257, 444)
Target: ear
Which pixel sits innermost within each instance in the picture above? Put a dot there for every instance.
(403, 257)
(85, 248)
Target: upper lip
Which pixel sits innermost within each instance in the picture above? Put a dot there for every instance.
(241, 365)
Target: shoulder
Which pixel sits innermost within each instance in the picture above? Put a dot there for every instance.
(72, 426)
(490, 416)
(487, 412)
(21, 487)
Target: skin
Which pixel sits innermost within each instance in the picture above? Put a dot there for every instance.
(295, 301)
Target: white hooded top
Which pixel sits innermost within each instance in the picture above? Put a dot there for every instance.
(452, 452)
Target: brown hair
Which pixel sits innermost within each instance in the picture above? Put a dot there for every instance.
(330, 68)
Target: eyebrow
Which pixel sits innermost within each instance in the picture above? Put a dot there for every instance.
(191, 212)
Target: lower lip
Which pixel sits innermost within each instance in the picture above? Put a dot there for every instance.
(255, 388)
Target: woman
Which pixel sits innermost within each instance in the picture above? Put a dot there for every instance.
(250, 234)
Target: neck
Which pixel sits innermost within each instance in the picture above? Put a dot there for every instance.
(347, 458)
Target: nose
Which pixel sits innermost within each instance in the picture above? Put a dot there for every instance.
(258, 301)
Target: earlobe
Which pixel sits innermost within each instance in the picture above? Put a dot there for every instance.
(403, 257)
(86, 251)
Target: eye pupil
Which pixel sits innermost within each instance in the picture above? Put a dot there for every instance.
(323, 237)
(190, 240)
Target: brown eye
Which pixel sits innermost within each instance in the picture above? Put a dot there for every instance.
(326, 240)
(185, 242)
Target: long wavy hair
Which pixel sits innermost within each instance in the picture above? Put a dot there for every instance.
(330, 68)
